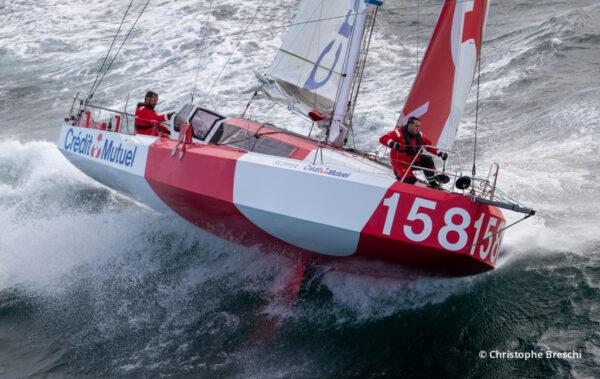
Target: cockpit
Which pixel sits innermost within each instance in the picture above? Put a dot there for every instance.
(210, 127)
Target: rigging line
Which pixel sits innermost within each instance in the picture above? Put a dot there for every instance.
(210, 38)
(483, 17)
(363, 63)
(219, 37)
(418, 25)
(266, 20)
(360, 70)
(257, 136)
(304, 59)
(384, 10)
(500, 231)
(231, 55)
(153, 70)
(205, 28)
(216, 37)
(345, 73)
(110, 48)
(423, 5)
(256, 31)
(121, 46)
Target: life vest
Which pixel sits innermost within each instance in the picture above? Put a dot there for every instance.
(410, 148)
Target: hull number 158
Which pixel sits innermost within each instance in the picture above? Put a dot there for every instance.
(453, 234)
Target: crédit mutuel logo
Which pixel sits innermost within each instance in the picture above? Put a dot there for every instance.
(99, 148)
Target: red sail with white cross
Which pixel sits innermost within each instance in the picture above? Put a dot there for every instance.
(440, 91)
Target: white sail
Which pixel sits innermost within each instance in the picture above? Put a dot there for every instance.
(310, 64)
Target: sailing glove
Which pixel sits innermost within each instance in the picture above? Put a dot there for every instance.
(395, 146)
(442, 155)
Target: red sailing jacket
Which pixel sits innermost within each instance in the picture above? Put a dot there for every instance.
(400, 158)
(146, 119)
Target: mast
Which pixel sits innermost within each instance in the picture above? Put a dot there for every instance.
(360, 67)
(338, 129)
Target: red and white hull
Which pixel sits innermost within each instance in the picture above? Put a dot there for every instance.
(344, 208)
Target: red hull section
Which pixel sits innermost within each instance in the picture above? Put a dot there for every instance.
(441, 235)
(199, 188)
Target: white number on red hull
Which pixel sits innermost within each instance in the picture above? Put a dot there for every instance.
(451, 231)
(414, 215)
(457, 228)
(487, 237)
(497, 241)
(392, 203)
(477, 225)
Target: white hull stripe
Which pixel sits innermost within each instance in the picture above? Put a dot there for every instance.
(271, 193)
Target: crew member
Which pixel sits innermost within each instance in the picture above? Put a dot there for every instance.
(147, 121)
(406, 142)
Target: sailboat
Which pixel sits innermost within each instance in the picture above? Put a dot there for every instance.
(313, 198)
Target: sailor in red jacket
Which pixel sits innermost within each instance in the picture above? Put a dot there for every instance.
(405, 142)
(147, 121)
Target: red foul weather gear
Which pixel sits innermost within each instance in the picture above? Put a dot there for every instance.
(408, 146)
(148, 122)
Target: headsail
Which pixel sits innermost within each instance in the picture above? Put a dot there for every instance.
(316, 57)
(440, 91)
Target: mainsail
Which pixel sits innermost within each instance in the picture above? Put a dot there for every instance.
(440, 91)
(317, 59)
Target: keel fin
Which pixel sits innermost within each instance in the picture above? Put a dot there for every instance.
(294, 284)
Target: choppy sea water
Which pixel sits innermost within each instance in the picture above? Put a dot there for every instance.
(93, 284)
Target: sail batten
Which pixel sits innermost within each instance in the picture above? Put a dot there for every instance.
(310, 65)
(299, 57)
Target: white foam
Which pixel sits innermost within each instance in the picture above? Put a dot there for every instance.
(370, 298)
(45, 237)
(50, 236)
